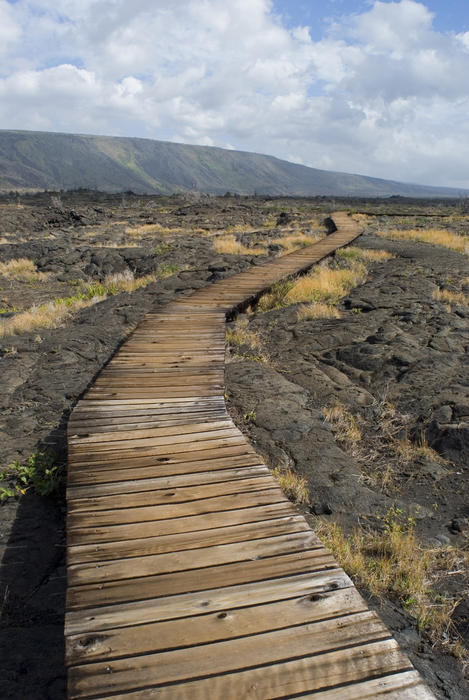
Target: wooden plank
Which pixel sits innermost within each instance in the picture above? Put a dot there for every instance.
(165, 495)
(243, 499)
(406, 685)
(171, 606)
(139, 433)
(108, 456)
(187, 540)
(231, 623)
(231, 655)
(159, 564)
(151, 467)
(195, 523)
(93, 490)
(149, 587)
(282, 679)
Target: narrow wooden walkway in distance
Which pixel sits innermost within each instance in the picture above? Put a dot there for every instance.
(190, 576)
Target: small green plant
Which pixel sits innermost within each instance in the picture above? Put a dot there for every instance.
(167, 269)
(40, 474)
(250, 417)
(163, 248)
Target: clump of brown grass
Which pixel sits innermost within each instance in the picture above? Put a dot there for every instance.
(293, 241)
(385, 450)
(345, 425)
(113, 244)
(22, 269)
(148, 229)
(275, 299)
(54, 313)
(435, 236)
(145, 229)
(237, 228)
(451, 298)
(394, 562)
(317, 310)
(49, 315)
(241, 335)
(366, 254)
(362, 218)
(326, 285)
(409, 451)
(229, 245)
(294, 486)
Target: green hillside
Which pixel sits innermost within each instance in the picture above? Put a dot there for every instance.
(39, 160)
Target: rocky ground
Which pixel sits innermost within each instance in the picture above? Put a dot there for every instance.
(394, 344)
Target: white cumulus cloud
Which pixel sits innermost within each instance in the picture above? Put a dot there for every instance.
(382, 93)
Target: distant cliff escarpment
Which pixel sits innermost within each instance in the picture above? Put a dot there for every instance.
(38, 161)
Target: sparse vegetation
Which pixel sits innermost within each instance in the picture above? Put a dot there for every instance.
(326, 285)
(292, 241)
(54, 313)
(275, 299)
(245, 342)
(346, 426)
(48, 315)
(150, 229)
(451, 298)
(440, 237)
(394, 562)
(294, 486)
(22, 269)
(241, 335)
(365, 254)
(380, 442)
(317, 310)
(40, 474)
(229, 245)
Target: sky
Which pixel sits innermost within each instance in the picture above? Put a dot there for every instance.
(377, 87)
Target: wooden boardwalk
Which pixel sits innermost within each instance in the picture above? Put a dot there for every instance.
(190, 576)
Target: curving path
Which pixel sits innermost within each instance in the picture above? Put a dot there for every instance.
(190, 576)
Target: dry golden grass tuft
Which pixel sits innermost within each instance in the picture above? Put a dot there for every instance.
(294, 241)
(317, 310)
(366, 254)
(326, 285)
(237, 228)
(228, 245)
(409, 451)
(275, 299)
(451, 298)
(241, 335)
(54, 313)
(362, 218)
(394, 561)
(22, 269)
(148, 229)
(380, 444)
(113, 244)
(344, 423)
(49, 315)
(435, 236)
(294, 486)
